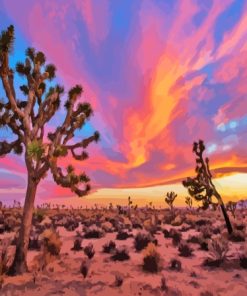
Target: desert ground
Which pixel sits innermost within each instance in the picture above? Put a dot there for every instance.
(127, 251)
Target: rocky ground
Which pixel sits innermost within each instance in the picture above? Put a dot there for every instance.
(153, 252)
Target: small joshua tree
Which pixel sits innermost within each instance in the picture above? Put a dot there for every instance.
(201, 187)
(170, 197)
(27, 119)
(231, 207)
(189, 201)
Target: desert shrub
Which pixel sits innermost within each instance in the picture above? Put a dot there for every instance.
(194, 239)
(202, 222)
(84, 268)
(120, 254)
(89, 251)
(122, 235)
(206, 293)
(77, 245)
(176, 238)
(151, 259)
(4, 257)
(118, 280)
(206, 231)
(142, 239)
(163, 284)
(109, 247)
(34, 243)
(71, 225)
(175, 264)
(218, 249)
(52, 242)
(137, 226)
(243, 258)
(237, 236)
(93, 232)
(166, 233)
(185, 250)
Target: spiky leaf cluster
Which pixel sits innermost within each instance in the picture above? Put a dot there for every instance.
(170, 198)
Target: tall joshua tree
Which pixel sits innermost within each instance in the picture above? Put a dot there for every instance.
(201, 187)
(27, 119)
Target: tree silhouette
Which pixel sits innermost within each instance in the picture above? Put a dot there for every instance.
(201, 187)
(27, 119)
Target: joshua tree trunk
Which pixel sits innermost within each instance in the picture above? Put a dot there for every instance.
(223, 209)
(20, 264)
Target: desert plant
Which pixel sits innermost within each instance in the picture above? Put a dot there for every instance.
(163, 284)
(109, 247)
(231, 207)
(218, 251)
(189, 201)
(93, 232)
(84, 268)
(175, 264)
(142, 240)
(77, 245)
(34, 243)
(201, 187)
(170, 198)
(176, 238)
(28, 119)
(122, 235)
(151, 259)
(4, 257)
(185, 250)
(118, 280)
(120, 254)
(52, 242)
(89, 251)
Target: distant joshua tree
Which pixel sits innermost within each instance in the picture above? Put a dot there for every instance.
(170, 197)
(231, 207)
(27, 120)
(189, 201)
(201, 187)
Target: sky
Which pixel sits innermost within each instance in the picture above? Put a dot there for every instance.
(159, 74)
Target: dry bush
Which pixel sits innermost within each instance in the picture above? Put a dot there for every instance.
(122, 235)
(84, 268)
(93, 232)
(243, 257)
(142, 239)
(175, 264)
(4, 256)
(185, 250)
(109, 247)
(77, 245)
(120, 254)
(118, 280)
(218, 251)
(89, 251)
(151, 258)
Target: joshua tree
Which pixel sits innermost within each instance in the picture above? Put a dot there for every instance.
(231, 207)
(201, 187)
(27, 119)
(170, 197)
(189, 201)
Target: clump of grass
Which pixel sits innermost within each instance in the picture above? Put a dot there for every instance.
(109, 247)
(52, 242)
(185, 250)
(142, 240)
(175, 264)
(151, 259)
(89, 251)
(122, 235)
(120, 254)
(118, 280)
(93, 232)
(77, 245)
(218, 251)
(84, 268)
